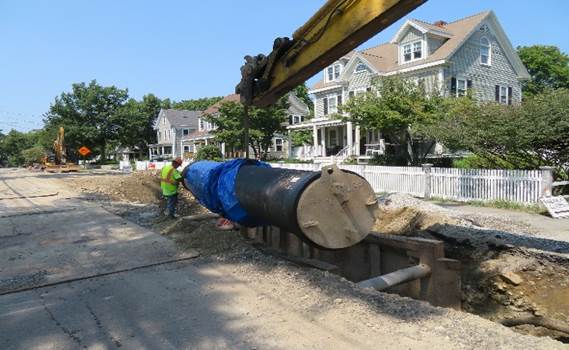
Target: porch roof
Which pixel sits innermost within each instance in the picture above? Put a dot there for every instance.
(318, 123)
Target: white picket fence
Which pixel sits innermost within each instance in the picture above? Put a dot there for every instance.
(521, 186)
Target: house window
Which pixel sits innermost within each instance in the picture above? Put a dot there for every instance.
(333, 72)
(279, 145)
(407, 53)
(412, 51)
(485, 51)
(185, 132)
(417, 50)
(339, 99)
(186, 148)
(332, 105)
(460, 87)
(159, 136)
(296, 119)
(361, 68)
(200, 124)
(504, 94)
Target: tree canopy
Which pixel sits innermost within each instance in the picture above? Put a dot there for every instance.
(200, 104)
(263, 125)
(401, 109)
(548, 67)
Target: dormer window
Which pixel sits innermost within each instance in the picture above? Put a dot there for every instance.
(412, 51)
(361, 68)
(333, 72)
(485, 51)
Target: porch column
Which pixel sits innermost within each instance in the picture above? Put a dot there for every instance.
(149, 153)
(314, 140)
(206, 142)
(350, 138)
(162, 150)
(357, 141)
(223, 150)
(289, 146)
(323, 141)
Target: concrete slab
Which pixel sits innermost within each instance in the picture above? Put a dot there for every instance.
(52, 239)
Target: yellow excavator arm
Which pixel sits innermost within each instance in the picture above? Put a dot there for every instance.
(338, 27)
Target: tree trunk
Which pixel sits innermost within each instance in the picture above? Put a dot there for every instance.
(103, 151)
(409, 142)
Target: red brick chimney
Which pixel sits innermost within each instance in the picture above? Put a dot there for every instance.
(440, 23)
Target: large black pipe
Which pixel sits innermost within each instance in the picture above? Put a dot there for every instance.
(273, 194)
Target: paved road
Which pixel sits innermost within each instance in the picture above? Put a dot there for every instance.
(73, 276)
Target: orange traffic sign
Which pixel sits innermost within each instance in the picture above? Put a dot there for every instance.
(84, 151)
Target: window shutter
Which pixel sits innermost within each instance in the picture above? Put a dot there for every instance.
(497, 93)
(469, 84)
(510, 91)
(339, 100)
(325, 106)
(453, 86)
(350, 94)
(290, 119)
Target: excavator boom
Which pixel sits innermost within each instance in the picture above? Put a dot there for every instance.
(338, 27)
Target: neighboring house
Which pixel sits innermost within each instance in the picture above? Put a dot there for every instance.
(472, 53)
(173, 127)
(204, 135)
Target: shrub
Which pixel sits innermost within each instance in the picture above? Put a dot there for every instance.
(33, 154)
(209, 152)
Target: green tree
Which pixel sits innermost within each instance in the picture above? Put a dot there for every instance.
(520, 137)
(90, 116)
(548, 67)
(301, 137)
(264, 123)
(208, 152)
(402, 110)
(12, 145)
(301, 91)
(200, 104)
(33, 154)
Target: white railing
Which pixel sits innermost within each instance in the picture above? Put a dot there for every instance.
(522, 186)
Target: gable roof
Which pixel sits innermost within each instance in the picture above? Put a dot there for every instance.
(384, 57)
(181, 118)
(423, 27)
(215, 107)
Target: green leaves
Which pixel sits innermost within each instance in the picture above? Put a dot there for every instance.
(264, 123)
(548, 67)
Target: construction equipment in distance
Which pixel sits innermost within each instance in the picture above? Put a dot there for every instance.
(57, 163)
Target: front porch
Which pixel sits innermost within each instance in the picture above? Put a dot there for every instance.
(336, 141)
(160, 152)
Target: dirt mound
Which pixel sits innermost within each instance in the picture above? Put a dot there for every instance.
(395, 220)
(140, 187)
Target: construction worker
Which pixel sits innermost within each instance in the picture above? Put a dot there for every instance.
(170, 177)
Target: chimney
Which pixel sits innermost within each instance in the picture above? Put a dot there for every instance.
(440, 23)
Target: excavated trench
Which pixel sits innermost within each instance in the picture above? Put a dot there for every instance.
(519, 280)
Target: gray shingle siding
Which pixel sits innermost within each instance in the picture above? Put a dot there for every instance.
(466, 63)
(433, 44)
(412, 35)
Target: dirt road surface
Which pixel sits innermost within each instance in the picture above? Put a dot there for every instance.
(73, 275)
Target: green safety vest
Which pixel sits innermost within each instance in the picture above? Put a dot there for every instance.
(169, 179)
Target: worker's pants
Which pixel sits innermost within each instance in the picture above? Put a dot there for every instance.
(171, 202)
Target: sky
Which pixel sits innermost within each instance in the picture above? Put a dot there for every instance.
(187, 49)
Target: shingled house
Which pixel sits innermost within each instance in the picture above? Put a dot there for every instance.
(473, 53)
(172, 127)
(204, 135)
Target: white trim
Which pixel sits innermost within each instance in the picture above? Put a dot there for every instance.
(420, 28)
(489, 46)
(325, 89)
(420, 66)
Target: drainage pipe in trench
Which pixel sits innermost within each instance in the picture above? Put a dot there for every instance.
(397, 277)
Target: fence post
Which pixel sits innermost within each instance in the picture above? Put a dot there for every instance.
(427, 171)
(546, 181)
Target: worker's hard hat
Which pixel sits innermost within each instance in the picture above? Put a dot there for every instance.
(178, 161)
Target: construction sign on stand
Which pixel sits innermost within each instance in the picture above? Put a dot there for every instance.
(84, 151)
(556, 206)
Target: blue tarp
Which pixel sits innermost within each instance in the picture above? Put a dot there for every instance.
(213, 185)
